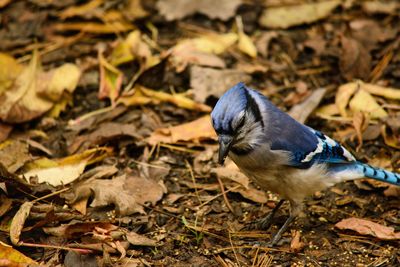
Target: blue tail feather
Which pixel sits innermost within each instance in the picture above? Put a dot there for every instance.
(379, 174)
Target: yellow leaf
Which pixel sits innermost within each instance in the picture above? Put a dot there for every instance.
(343, 96)
(144, 95)
(12, 257)
(246, 45)
(94, 27)
(210, 43)
(327, 110)
(364, 102)
(8, 72)
(386, 92)
(65, 170)
(286, 16)
(81, 10)
(110, 80)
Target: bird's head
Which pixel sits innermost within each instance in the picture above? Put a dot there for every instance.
(237, 120)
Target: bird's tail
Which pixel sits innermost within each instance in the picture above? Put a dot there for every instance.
(360, 170)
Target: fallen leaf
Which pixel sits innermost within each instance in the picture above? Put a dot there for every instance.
(386, 92)
(110, 80)
(13, 258)
(85, 10)
(366, 227)
(5, 131)
(18, 222)
(140, 240)
(126, 192)
(75, 259)
(251, 193)
(378, 7)
(134, 48)
(14, 154)
(77, 229)
(65, 170)
(355, 59)
(178, 9)
(286, 16)
(390, 139)
(392, 191)
(263, 41)
(134, 10)
(94, 27)
(34, 91)
(143, 95)
(104, 132)
(201, 50)
(194, 131)
(207, 82)
(231, 171)
(8, 74)
(5, 204)
(296, 245)
(345, 92)
(301, 111)
(364, 102)
(4, 3)
(245, 44)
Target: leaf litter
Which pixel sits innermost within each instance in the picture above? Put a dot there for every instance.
(105, 108)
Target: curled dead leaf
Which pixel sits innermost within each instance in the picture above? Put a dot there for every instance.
(366, 227)
(194, 131)
(18, 222)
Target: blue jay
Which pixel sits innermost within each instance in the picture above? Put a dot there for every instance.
(280, 154)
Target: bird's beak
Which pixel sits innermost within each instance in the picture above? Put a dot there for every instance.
(225, 142)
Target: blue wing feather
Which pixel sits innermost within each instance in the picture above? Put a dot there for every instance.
(310, 147)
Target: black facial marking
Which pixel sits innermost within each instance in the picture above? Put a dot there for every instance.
(252, 105)
(241, 151)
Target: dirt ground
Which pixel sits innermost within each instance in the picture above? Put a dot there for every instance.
(133, 184)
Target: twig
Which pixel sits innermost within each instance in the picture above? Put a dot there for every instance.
(80, 250)
(50, 195)
(193, 180)
(224, 195)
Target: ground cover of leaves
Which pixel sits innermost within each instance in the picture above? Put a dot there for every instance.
(108, 157)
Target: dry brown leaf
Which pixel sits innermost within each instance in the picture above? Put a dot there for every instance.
(140, 240)
(251, 193)
(5, 204)
(126, 192)
(378, 7)
(14, 154)
(245, 44)
(366, 227)
(18, 222)
(296, 245)
(77, 229)
(231, 171)
(178, 9)
(301, 111)
(104, 132)
(5, 131)
(207, 82)
(13, 258)
(355, 59)
(286, 16)
(194, 131)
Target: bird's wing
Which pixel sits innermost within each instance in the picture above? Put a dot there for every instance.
(308, 146)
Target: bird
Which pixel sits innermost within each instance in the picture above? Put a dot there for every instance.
(280, 154)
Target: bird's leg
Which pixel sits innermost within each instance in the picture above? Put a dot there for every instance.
(294, 211)
(266, 222)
